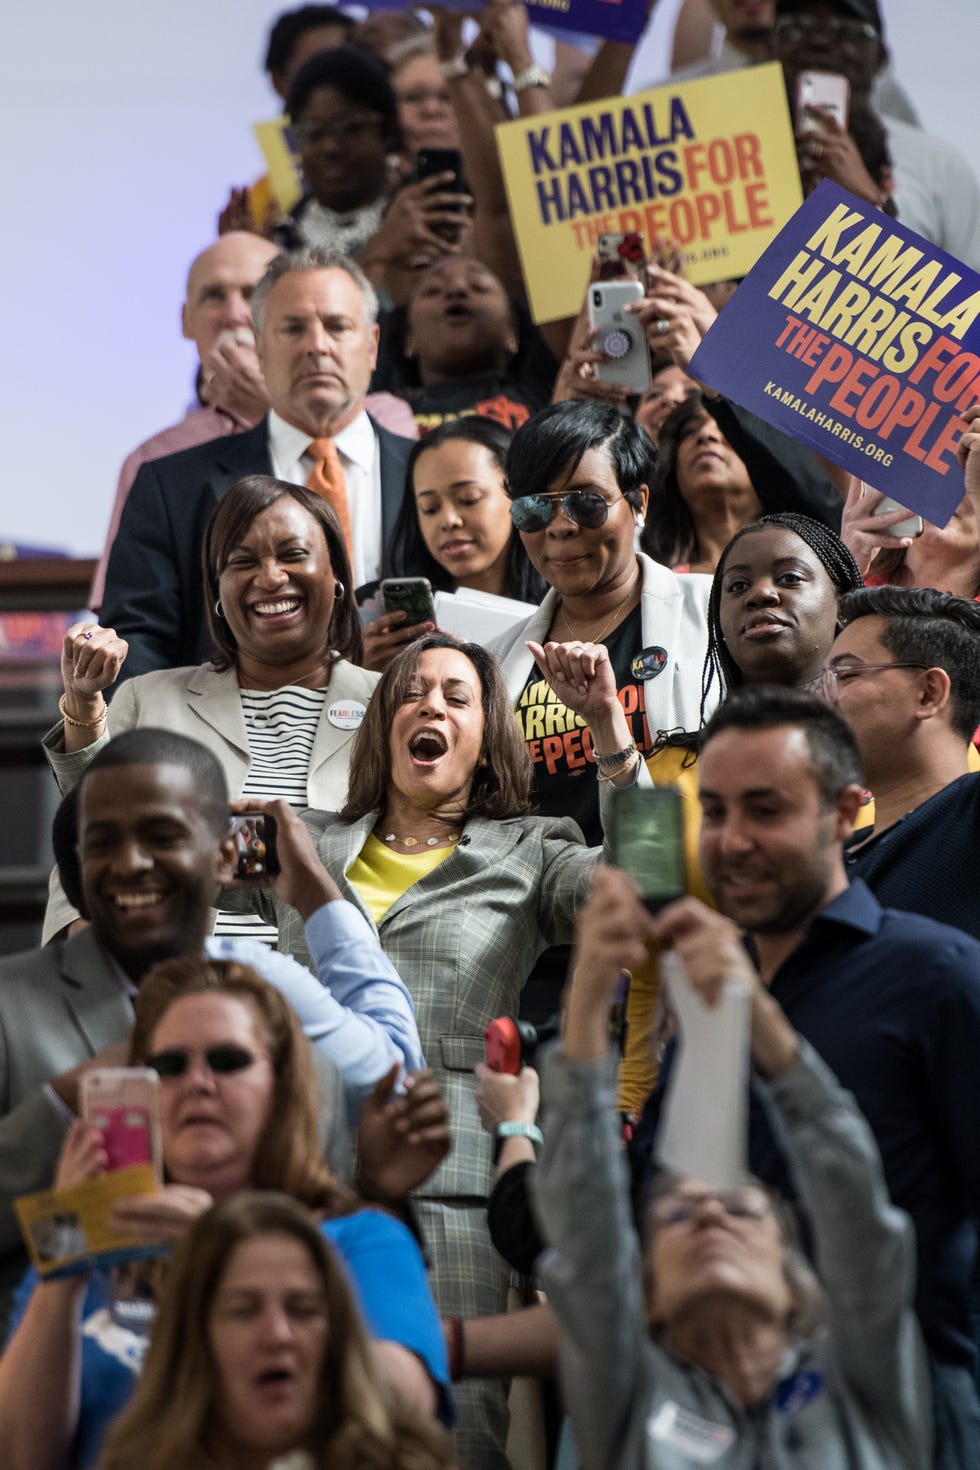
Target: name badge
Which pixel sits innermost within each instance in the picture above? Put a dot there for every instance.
(346, 714)
(649, 662)
(699, 1439)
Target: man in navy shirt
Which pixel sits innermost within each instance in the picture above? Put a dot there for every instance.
(905, 672)
(890, 1000)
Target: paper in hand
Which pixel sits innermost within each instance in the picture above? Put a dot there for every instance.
(704, 1129)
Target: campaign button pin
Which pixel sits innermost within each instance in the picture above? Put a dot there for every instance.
(649, 662)
(346, 714)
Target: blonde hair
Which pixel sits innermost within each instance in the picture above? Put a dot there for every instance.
(171, 1416)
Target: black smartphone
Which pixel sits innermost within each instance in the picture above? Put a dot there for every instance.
(432, 161)
(647, 842)
(410, 595)
(255, 841)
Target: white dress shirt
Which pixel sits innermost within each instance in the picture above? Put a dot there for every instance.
(357, 446)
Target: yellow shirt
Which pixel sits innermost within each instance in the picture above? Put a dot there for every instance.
(381, 875)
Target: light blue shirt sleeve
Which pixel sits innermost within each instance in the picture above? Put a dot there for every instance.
(356, 1009)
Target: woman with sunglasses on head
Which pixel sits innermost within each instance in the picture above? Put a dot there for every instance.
(454, 527)
(238, 1110)
(258, 1353)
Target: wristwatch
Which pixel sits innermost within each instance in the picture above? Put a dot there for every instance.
(532, 76)
(515, 1129)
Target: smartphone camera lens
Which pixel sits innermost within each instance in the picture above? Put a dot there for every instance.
(596, 298)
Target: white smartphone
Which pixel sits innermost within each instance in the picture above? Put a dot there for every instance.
(824, 89)
(910, 527)
(619, 335)
(124, 1103)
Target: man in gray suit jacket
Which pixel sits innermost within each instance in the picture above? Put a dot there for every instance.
(315, 315)
(154, 847)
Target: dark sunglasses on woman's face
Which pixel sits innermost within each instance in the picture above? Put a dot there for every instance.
(584, 507)
(221, 1060)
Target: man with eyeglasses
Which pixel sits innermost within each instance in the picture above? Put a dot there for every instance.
(935, 190)
(889, 1000)
(153, 849)
(905, 672)
(315, 316)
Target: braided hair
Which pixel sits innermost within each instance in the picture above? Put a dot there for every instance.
(838, 563)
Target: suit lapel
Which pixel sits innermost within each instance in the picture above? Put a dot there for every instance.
(216, 700)
(393, 452)
(94, 995)
(241, 454)
(661, 606)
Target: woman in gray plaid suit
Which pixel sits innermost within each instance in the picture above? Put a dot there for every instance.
(436, 845)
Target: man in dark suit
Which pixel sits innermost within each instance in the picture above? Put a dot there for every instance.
(315, 315)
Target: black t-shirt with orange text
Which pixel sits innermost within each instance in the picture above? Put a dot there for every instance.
(559, 742)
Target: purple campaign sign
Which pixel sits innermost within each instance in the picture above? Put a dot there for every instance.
(616, 20)
(860, 338)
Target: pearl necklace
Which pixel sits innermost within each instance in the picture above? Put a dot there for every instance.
(451, 838)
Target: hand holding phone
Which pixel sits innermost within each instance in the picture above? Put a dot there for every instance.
(410, 595)
(123, 1103)
(619, 336)
(647, 842)
(255, 841)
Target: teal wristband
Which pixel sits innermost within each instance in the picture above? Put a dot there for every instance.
(515, 1129)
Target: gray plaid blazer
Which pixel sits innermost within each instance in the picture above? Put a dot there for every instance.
(464, 939)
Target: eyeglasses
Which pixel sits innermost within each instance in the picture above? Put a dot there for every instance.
(827, 684)
(337, 130)
(221, 1060)
(584, 507)
(739, 1204)
(834, 27)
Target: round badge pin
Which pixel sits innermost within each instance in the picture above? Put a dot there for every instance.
(649, 662)
(346, 714)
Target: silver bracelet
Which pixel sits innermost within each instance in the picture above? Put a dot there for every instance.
(617, 758)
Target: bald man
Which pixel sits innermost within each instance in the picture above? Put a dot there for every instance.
(232, 393)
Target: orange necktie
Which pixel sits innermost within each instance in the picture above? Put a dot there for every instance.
(327, 481)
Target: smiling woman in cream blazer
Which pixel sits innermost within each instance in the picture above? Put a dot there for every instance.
(282, 698)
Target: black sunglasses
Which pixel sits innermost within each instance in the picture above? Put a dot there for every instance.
(584, 507)
(221, 1060)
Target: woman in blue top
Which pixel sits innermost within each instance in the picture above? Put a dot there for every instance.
(238, 1110)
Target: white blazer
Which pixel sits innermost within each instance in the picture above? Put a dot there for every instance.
(673, 616)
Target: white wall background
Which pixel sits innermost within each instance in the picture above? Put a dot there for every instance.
(123, 127)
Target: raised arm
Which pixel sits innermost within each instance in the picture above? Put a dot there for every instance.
(593, 1274)
(864, 1246)
(356, 1009)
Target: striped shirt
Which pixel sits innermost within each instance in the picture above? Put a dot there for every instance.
(281, 727)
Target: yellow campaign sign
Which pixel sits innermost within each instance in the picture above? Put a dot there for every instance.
(284, 177)
(709, 163)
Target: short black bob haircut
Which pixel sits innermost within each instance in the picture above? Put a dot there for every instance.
(547, 450)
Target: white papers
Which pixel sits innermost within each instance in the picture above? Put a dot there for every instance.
(704, 1129)
(477, 617)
